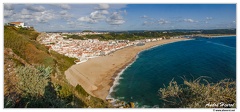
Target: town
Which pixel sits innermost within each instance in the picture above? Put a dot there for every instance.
(86, 49)
(83, 49)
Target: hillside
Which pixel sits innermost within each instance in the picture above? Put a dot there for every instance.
(33, 75)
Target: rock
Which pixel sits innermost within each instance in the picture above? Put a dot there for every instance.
(89, 97)
(8, 69)
(132, 105)
(110, 100)
(127, 106)
(122, 103)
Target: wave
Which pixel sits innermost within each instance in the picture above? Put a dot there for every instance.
(137, 105)
(220, 44)
(117, 78)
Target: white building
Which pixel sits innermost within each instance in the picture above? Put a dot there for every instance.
(18, 24)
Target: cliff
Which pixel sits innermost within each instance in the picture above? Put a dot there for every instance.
(34, 75)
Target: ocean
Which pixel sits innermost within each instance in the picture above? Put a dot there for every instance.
(156, 67)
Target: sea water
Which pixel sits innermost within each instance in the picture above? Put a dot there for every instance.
(156, 67)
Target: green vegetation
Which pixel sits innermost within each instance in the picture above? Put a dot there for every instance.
(24, 45)
(63, 62)
(36, 89)
(89, 100)
(79, 89)
(33, 80)
(219, 31)
(40, 80)
(87, 31)
(198, 93)
(137, 35)
(75, 37)
(129, 36)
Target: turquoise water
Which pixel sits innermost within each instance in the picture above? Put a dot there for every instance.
(140, 82)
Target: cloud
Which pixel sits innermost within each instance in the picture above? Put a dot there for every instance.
(97, 15)
(25, 12)
(23, 15)
(124, 12)
(104, 12)
(162, 21)
(36, 8)
(87, 19)
(8, 13)
(8, 10)
(209, 18)
(64, 6)
(65, 15)
(102, 7)
(153, 21)
(190, 20)
(74, 24)
(45, 16)
(8, 7)
(118, 6)
(146, 23)
(144, 16)
(115, 19)
(40, 15)
(63, 12)
(70, 23)
(26, 17)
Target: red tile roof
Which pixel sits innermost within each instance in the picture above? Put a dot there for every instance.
(16, 23)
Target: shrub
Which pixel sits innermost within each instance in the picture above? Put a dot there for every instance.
(33, 81)
(199, 93)
(80, 90)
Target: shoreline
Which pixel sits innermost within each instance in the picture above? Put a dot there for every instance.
(98, 75)
(119, 72)
(117, 75)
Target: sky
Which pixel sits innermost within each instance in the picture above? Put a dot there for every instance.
(119, 17)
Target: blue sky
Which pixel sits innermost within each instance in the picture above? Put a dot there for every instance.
(53, 17)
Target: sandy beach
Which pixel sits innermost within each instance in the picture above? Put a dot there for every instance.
(96, 75)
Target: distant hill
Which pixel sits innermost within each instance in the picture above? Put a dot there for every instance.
(87, 31)
(34, 75)
(219, 31)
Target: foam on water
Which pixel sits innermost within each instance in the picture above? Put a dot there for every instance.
(117, 78)
(220, 44)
